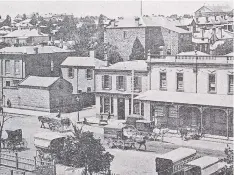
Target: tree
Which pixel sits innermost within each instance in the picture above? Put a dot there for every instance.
(225, 48)
(24, 16)
(113, 55)
(6, 22)
(3, 44)
(84, 151)
(137, 51)
(33, 20)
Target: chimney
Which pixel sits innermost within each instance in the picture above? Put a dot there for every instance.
(207, 19)
(197, 21)
(137, 20)
(113, 23)
(92, 54)
(35, 50)
(106, 59)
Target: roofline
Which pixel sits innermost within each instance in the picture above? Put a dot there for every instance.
(67, 66)
(119, 70)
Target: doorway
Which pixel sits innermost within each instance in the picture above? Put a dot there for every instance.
(121, 109)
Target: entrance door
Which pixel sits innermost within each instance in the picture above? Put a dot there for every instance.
(121, 108)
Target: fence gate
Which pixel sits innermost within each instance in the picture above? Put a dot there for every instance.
(27, 165)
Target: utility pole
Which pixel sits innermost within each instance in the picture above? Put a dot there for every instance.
(141, 7)
(196, 69)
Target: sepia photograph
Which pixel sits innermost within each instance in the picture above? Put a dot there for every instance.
(116, 87)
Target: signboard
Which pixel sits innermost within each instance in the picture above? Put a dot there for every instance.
(159, 111)
(173, 112)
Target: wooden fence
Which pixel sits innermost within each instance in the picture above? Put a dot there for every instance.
(27, 165)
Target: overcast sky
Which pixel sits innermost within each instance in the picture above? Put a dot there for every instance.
(109, 8)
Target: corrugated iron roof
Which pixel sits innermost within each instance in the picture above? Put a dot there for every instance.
(36, 81)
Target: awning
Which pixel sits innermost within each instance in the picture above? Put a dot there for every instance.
(187, 98)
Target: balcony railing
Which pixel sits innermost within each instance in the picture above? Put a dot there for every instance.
(192, 59)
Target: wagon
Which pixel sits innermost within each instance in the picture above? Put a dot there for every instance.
(120, 136)
(14, 140)
(48, 145)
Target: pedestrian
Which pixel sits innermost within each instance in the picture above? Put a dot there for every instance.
(59, 114)
(8, 103)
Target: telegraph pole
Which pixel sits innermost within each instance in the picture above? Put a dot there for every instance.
(132, 106)
(141, 7)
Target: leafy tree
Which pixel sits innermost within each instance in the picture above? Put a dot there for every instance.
(113, 55)
(6, 22)
(137, 51)
(225, 48)
(33, 19)
(3, 44)
(24, 16)
(83, 150)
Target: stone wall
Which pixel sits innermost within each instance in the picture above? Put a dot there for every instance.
(124, 42)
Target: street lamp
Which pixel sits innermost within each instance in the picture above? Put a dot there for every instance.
(78, 113)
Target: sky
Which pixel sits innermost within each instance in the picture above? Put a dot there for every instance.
(110, 8)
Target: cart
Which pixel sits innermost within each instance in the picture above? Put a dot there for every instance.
(14, 140)
(48, 145)
(120, 136)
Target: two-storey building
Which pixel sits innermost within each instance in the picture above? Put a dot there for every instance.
(117, 85)
(155, 34)
(193, 91)
(16, 63)
(79, 71)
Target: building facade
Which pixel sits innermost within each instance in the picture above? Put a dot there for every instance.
(192, 91)
(114, 90)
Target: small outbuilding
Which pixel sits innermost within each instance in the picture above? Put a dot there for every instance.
(43, 94)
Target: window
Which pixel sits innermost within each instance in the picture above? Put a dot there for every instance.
(88, 89)
(89, 74)
(70, 72)
(7, 66)
(120, 83)
(106, 104)
(206, 47)
(142, 108)
(163, 81)
(230, 84)
(17, 67)
(130, 106)
(106, 82)
(212, 83)
(112, 106)
(137, 84)
(136, 107)
(125, 34)
(79, 91)
(8, 83)
(101, 104)
(51, 65)
(15, 82)
(180, 82)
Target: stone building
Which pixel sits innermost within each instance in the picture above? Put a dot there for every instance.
(155, 34)
(43, 94)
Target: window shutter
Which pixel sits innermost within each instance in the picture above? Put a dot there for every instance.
(124, 83)
(110, 81)
(117, 82)
(103, 82)
(140, 83)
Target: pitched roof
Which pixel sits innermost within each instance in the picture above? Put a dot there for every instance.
(83, 62)
(148, 21)
(36, 81)
(219, 8)
(31, 50)
(138, 65)
(187, 98)
(25, 33)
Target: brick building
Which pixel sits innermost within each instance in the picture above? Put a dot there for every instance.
(113, 88)
(192, 91)
(42, 93)
(16, 63)
(155, 34)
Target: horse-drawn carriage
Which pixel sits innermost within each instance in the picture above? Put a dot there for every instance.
(123, 137)
(54, 122)
(48, 145)
(14, 140)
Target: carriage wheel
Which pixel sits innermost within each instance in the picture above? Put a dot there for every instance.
(10, 145)
(24, 143)
(110, 143)
(121, 144)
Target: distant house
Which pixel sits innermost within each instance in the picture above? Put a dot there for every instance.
(16, 63)
(79, 71)
(26, 37)
(208, 10)
(155, 34)
(42, 93)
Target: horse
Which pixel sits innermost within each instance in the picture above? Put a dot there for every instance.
(183, 133)
(141, 140)
(66, 122)
(44, 120)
